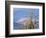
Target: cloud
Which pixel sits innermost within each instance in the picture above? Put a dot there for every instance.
(22, 19)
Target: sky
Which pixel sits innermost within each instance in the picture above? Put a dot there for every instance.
(19, 13)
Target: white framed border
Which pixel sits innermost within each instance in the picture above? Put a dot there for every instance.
(28, 30)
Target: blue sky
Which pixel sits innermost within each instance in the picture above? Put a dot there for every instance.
(19, 13)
